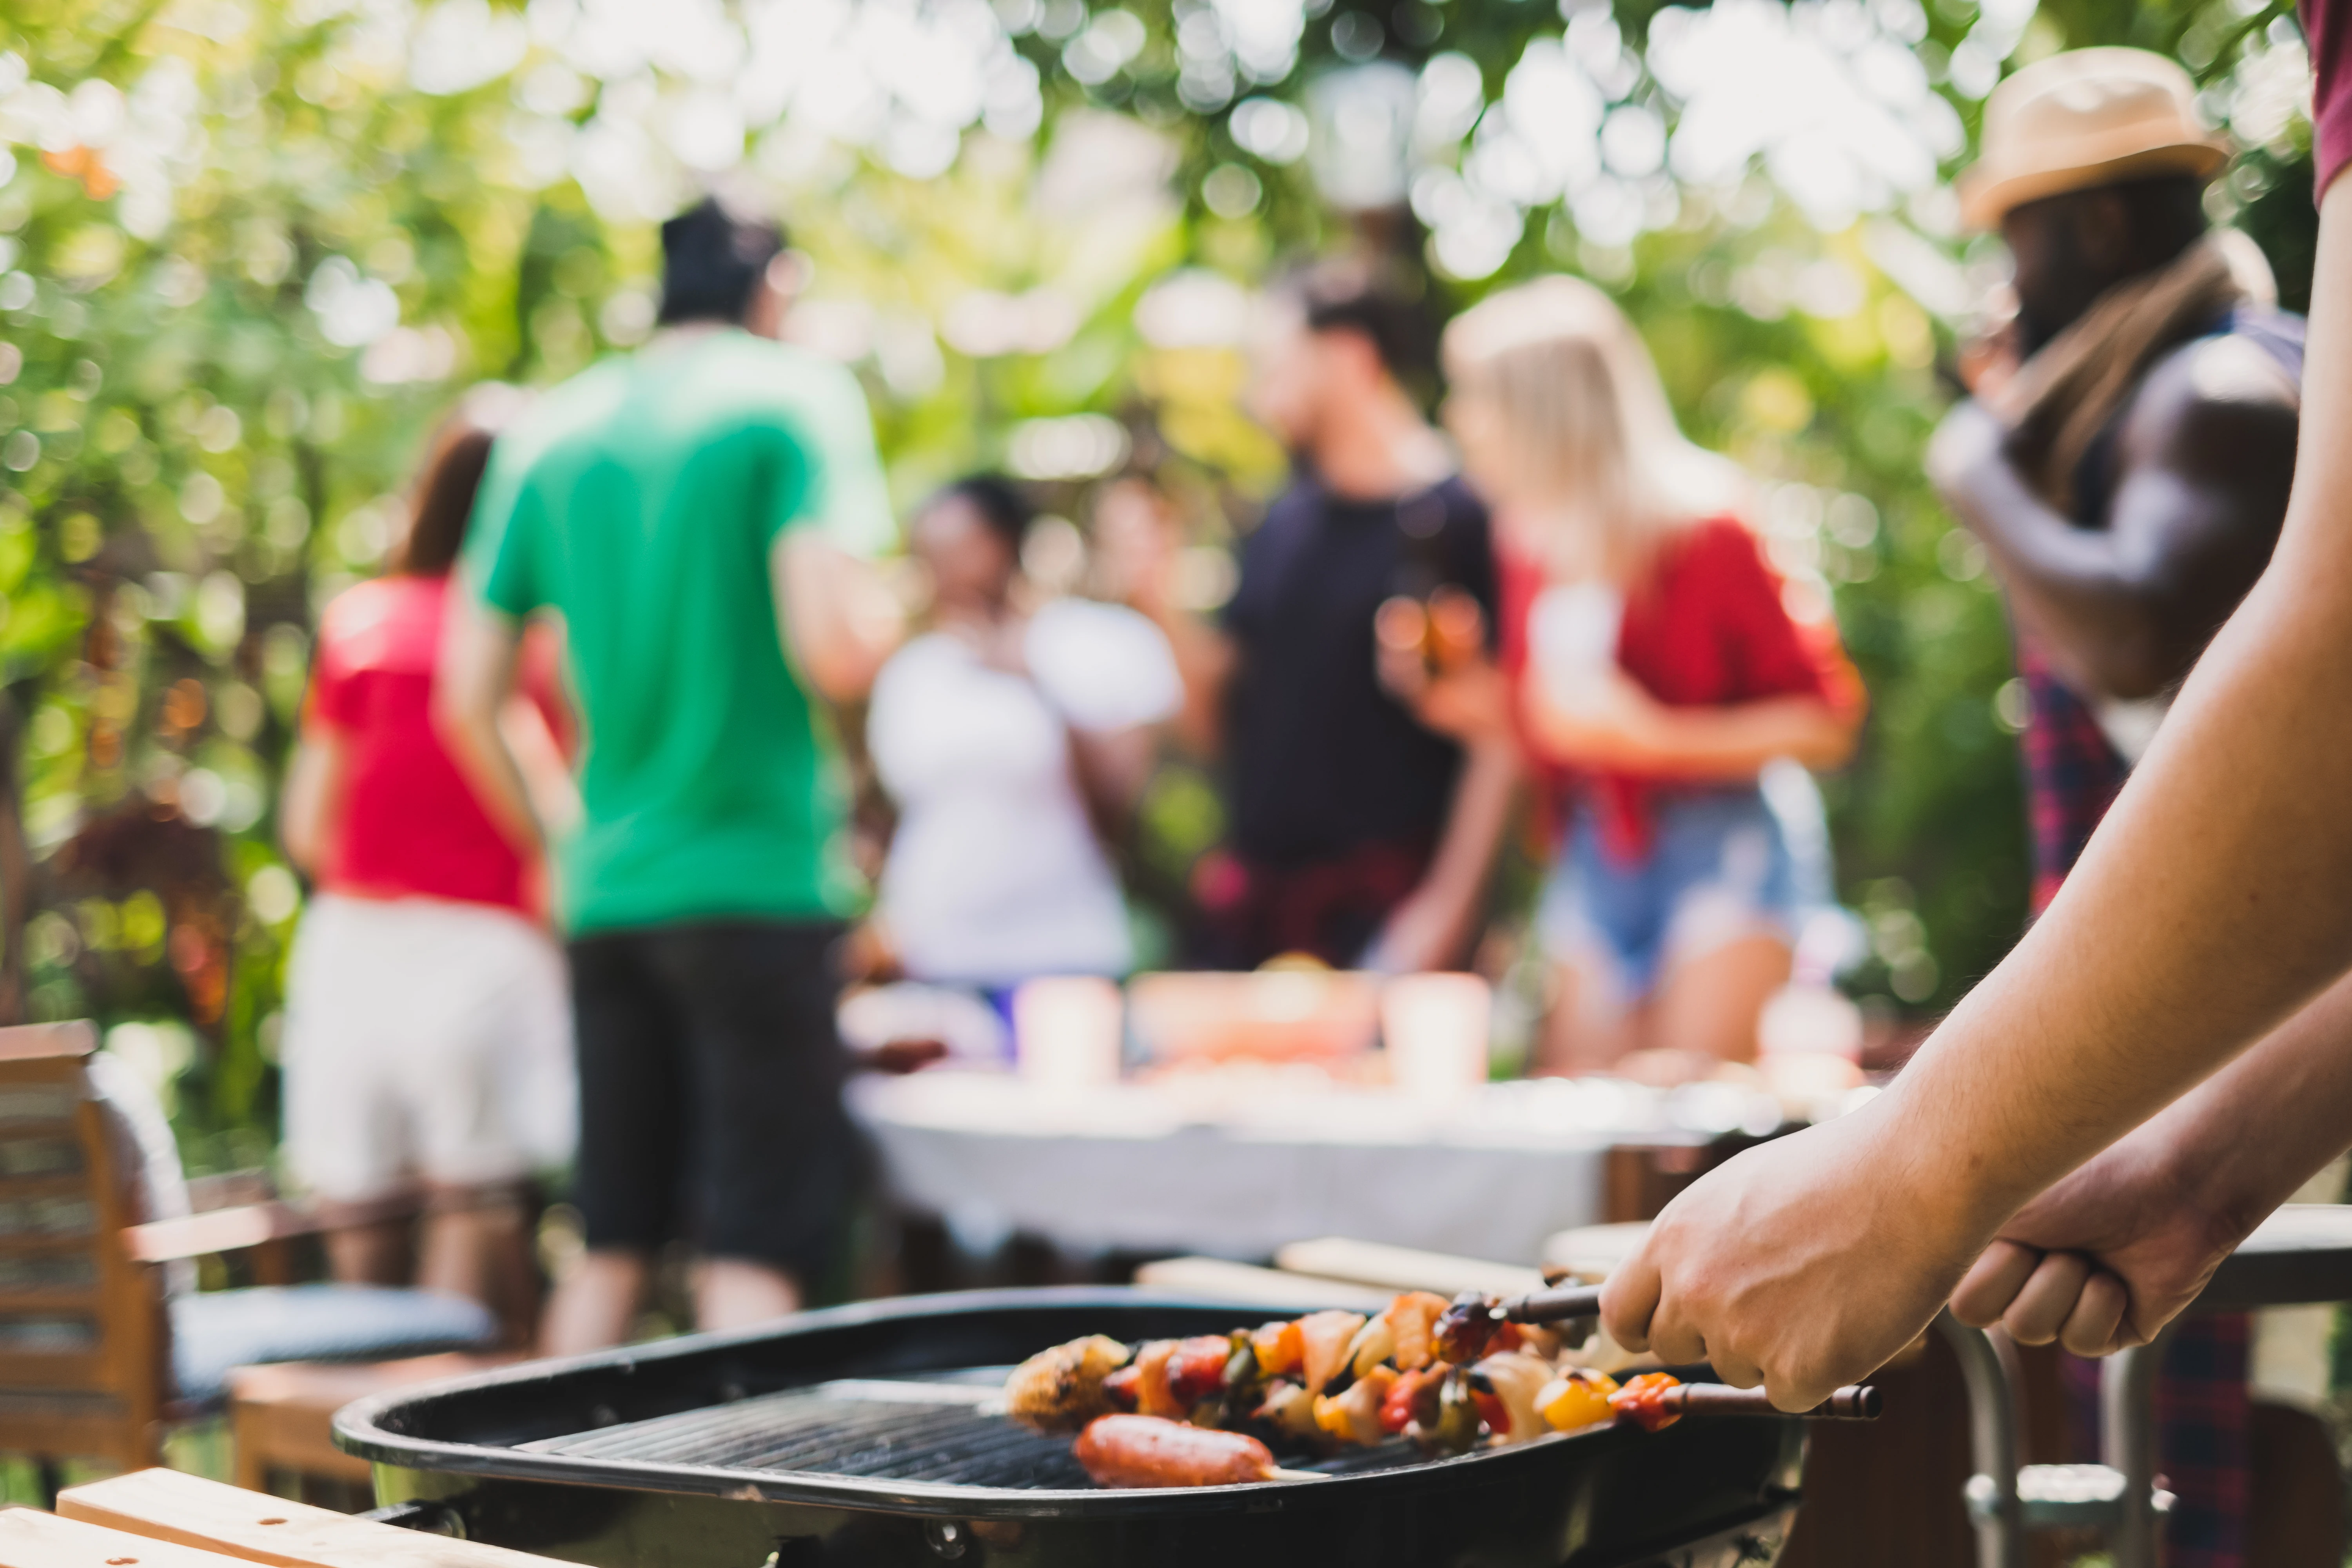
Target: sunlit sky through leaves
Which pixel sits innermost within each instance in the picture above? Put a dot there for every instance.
(1848, 107)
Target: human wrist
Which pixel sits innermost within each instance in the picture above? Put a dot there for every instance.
(1653, 736)
(1943, 1183)
(2224, 1183)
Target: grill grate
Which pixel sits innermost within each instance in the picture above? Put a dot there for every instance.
(943, 1432)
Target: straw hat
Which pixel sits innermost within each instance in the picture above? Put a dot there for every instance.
(2085, 118)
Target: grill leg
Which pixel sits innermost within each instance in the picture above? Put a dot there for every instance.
(2127, 1442)
(420, 1514)
(1992, 1441)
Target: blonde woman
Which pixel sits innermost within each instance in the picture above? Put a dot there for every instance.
(1653, 670)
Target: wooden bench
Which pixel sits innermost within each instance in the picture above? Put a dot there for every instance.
(161, 1519)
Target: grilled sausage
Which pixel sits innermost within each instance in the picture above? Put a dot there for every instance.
(1147, 1451)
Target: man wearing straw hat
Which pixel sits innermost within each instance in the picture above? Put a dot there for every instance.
(2158, 1063)
(2124, 462)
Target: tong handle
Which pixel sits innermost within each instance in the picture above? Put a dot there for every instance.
(1851, 1403)
(1555, 1304)
(1558, 1303)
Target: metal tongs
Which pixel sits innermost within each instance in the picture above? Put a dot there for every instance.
(1558, 1303)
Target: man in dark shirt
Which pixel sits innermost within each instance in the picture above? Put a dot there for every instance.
(1355, 834)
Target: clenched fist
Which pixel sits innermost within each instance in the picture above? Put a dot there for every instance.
(1802, 1265)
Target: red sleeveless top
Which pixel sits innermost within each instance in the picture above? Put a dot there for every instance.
(1709, 627)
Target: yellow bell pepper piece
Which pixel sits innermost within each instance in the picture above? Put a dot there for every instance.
(1567, 1403)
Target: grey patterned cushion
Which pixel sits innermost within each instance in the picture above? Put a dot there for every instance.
(213, 1331)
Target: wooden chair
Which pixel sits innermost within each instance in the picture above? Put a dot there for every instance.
(281, 1417)
(96, 1356)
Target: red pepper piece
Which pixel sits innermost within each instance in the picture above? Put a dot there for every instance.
(1124, 1388)
(1492, 1411)
(1412, 1397)
(1639, 1400)
(1197, 1370)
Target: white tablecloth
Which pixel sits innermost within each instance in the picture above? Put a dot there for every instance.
(1152, 1169)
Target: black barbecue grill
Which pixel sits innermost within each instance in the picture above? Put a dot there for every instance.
(862, 1436)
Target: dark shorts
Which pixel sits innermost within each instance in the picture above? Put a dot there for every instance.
(710, 1092)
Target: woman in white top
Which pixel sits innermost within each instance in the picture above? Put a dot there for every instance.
(1013, 736)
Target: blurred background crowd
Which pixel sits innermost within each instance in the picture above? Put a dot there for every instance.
(252, 253)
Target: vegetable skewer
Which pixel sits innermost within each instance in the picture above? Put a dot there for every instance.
(1444, 1375)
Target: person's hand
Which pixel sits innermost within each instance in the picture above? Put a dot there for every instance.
(896, 1059)
(1469, 703)
(1609, 720)
(542, 893)
(1139, 545)
(1803, 1264)
(2105, 1259)
(1968, 439)
(1990, 360)
(868, 955)
(1421, 933)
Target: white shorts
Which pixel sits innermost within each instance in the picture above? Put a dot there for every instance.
(425, 1039)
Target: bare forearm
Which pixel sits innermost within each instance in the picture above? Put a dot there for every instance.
(308, 804)
(548, 784)
(474, 680)
(1474, 829)
(1433, 928)
(2295, 1086)
(2208, 906)
(2099, 626)
(1736, 742)
(1114, 767)
(839, 620)
(482, 754)
(1204, 662)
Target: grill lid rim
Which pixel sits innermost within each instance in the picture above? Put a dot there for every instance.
(359, 1429)
(941, 1499)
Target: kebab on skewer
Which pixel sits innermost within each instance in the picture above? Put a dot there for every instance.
(1446, 1375)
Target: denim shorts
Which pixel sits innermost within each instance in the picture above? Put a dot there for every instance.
(1718, 867)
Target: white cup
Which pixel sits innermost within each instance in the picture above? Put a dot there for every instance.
(1434, 1027)
(1066, 1031)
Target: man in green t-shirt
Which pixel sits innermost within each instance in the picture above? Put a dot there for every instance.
(697, 514)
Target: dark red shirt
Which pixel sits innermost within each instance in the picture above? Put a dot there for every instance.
(2329, 28)
(1708, 627)
(408, 824)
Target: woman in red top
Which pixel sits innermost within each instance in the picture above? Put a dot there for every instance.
(1653, 669)
(427, 1036)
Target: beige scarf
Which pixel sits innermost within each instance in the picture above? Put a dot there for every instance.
(2062, 398)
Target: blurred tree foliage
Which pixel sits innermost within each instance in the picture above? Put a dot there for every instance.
(247, 251)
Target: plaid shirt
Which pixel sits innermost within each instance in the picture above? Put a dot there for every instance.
(2071, 772)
